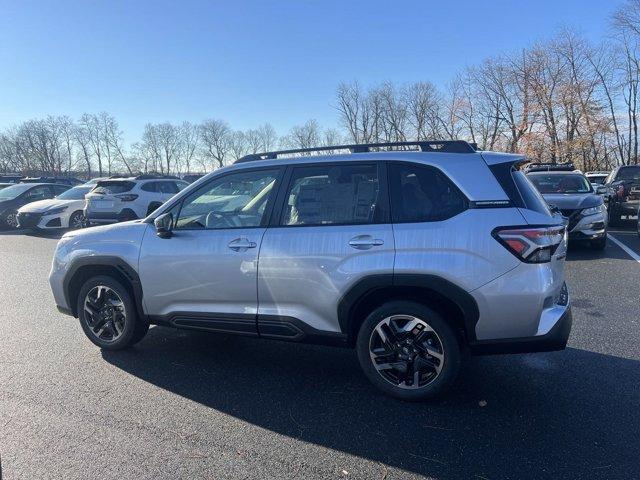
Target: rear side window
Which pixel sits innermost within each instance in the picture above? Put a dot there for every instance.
(107, 187)
(531, 197)
(149, 187)
(420, 193)
(332, 195)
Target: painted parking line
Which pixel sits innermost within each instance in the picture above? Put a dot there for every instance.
(628, 251)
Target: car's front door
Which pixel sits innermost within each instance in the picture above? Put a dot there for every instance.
(332, 230)
(204, 275)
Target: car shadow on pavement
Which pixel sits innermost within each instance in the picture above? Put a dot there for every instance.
(555, 415)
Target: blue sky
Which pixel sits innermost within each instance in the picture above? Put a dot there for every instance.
(250, 61)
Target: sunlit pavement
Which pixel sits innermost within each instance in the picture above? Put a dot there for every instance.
(190, 405)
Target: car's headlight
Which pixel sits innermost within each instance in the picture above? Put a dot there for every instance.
(593, 210)
(56, 211)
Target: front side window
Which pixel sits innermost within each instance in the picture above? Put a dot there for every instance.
(237, 200)
(423, 194)
(331, 195)
(39, 193)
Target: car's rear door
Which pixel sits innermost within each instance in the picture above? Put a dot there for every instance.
(204, 276)
(330, 229)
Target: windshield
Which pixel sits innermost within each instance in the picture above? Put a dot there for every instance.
(629, 173)
(75, 193)
(12, 192)
(558, 183)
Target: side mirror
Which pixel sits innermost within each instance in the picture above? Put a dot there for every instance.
(601, 190)
(554, 208)
(164, 225)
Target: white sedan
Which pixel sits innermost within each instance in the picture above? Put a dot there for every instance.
(63, 211)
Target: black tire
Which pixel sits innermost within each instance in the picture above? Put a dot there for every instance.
(600, 243)
(614, 217)
(133, 330)
(446, 335)
(77, 220)
(11, 220)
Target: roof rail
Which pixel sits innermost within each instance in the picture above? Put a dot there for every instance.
(438, 146)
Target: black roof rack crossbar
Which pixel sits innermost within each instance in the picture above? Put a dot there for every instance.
(550, 167)
(441, 146)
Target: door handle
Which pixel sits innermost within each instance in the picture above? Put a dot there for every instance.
(365, 242)
(241, 244)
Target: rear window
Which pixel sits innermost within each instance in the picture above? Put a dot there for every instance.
(530, 195)
(109, 187)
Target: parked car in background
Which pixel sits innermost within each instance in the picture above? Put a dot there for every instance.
(572, 194)
(192, 177)
(597, 178)
(95, 180)
(121, 199)
(410, 257)
(71, 181)
(624, 200)
(15, 196)
(66, 210)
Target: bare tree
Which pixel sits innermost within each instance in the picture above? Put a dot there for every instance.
(215, 139)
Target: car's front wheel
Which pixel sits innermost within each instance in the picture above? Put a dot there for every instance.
(77, 220)
(408, 350)
(108, 315)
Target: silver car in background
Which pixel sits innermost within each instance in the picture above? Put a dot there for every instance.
(411, 253)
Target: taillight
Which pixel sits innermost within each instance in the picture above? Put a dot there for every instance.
(531, 244)
(127, 197)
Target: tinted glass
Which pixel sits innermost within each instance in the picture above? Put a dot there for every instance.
(13, 191)
(58, 189)
(233, 201)
(149, 187)
(107, 187)
(331, 195)
(530, 195)
(166, 187)
(629, 173)
(75, 193)
(423, 194)
(558, 183)
(39, 193)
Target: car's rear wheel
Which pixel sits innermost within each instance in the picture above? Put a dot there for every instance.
(77, 220)
(408, 350)
(108, 315)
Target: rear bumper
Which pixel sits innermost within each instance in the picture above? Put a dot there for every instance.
(555, 339)
(110, 217)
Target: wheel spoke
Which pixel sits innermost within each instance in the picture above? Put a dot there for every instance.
(105, 313)
(406, 350)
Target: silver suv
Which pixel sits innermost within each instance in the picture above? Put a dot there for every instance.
(412, 253)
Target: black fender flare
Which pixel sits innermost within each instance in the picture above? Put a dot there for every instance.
(460, 297)
(126, 270)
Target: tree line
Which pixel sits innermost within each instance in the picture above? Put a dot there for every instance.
(562, 99)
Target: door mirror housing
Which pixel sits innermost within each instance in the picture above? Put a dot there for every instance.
(554, 208)
(164, 225)
(601, 190)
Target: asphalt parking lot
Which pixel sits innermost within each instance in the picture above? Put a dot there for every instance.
(191, 405)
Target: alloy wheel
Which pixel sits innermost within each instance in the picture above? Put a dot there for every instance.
(77, 221)
(406, 351)
(12, 220)
(105, 313)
